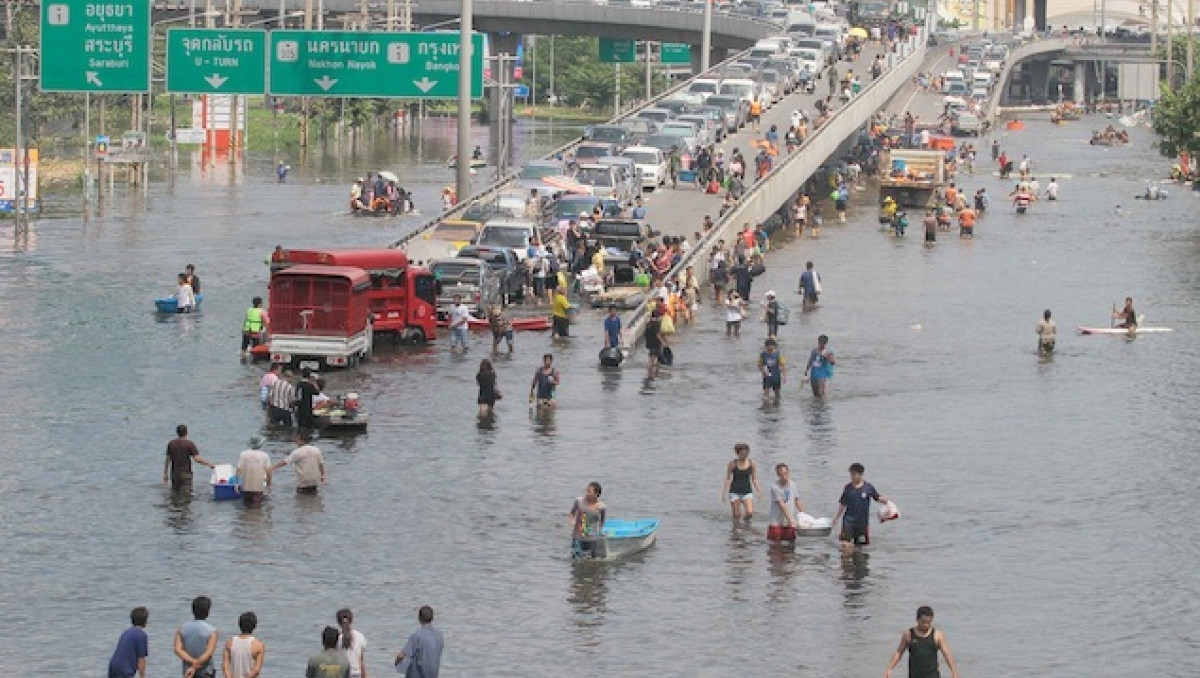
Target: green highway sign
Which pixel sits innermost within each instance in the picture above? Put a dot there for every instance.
(204, 61)
(617, 51)
(675, 53)
(95, 46)
(370, 64)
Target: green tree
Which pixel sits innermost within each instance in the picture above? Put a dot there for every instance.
(1177, 120)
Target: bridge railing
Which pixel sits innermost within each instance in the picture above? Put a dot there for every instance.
(766, 196)
(491, 191)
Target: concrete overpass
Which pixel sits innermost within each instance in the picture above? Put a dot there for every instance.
(502, 18)
(1027, 73)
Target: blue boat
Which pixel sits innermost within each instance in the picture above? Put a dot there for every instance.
(170, 305)
(626, 537)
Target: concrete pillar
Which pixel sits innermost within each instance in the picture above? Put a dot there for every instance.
(1039, 14)
(1080, 81)
(1019, 12)
(1039, 81)
(716, 56)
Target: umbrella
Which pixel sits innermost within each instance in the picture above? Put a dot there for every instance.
(858, 32)
(567, 184)
(388, 176)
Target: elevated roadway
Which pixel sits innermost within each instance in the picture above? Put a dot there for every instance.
(522, 17)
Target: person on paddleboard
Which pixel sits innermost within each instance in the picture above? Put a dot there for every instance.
(1047, 332)
(1128, 315)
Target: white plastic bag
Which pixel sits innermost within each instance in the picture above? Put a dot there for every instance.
(888, 512)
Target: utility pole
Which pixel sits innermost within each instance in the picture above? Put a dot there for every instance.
(1170, 49)
(234, 137)
(1190, 65)
(617, 92)
(21, 171)
(706, 37)
(462, 182)
(649, 71)
(1154, 27)
(308, 12)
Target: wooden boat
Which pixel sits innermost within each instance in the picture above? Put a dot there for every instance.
(170, 305)
(337, 420)
(624, 298)
(536, 323)
(626, 537)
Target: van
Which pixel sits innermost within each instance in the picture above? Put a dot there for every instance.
(833, 32)
(744, 89)
(514, 233)
(704, 88)
(801, 23)
(630, 175)
(981, 79)
(603, 181)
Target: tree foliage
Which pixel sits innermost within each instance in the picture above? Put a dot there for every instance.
(579, 77)
(1177, 120)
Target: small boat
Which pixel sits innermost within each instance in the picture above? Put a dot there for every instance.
(1015, 126)
(626, 537)
(475, 163)
(170, 305)
(1121, 330)
(342, 421)
(537, 323)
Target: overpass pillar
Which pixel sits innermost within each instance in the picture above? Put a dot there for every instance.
(1039, 81)
(1039, 15)
(715, 56)
(1080, 82)
(1018, 16)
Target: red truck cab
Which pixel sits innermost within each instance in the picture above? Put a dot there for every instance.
(402, 298)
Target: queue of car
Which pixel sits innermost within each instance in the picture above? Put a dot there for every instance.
(482, 254)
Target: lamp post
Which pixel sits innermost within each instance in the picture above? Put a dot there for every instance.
(463, 164)
(706, 36)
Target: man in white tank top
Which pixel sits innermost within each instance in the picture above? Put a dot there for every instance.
(244, 653)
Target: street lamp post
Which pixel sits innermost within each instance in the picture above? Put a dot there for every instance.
(463, 163)
(706, 36)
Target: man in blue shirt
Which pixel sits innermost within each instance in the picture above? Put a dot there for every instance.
(612, 329)
(422, 654)
(773, 368)
(129, 659)
(196, 641)
(854, 507)
(639, 209)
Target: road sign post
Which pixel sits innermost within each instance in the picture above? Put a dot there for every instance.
(675, 53)
(370, 64)
(203, 61)
(95, 46)
(617, 51)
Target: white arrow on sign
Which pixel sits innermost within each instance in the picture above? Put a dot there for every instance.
(216, 80)
(325, 82)
(94, 78)
(425, 84)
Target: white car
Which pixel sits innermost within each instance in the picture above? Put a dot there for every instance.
(652, 163)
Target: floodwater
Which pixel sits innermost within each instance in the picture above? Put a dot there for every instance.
(1045, 500)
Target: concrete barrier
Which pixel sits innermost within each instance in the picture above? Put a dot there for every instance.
(764, 198)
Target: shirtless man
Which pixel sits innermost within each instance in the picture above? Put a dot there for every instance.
(1128, 315)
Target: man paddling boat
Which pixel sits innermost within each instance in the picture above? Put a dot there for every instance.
(1128, 315)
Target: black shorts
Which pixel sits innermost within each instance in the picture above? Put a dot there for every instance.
(250, 339)
(859, 535)
(279, 416)
(562, 326)
(772, 383)
(311, 489)
(252, 499)
(930, 236)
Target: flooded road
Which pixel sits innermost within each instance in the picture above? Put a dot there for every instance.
(1043, 499)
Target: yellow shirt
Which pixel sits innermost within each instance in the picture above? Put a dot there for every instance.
(598, 261)
(559, 305)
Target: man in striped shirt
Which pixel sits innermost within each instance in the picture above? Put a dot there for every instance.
(280, 400)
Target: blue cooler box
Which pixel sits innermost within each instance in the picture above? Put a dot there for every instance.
(227, 490)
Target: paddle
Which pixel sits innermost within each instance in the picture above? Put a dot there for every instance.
(1112, 317)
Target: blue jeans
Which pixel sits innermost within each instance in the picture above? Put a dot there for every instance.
(458, 335)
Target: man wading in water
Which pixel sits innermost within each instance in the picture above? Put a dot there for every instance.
(922, 642)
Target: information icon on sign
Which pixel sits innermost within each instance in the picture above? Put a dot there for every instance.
(398, 53)
(287, 50)
(58, 14)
